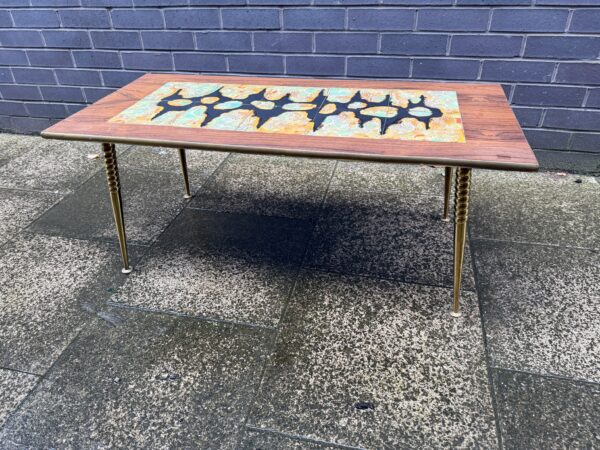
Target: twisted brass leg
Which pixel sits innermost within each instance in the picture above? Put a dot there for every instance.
(186, 180)
(114, 189)
(447, 189)
(461, 215)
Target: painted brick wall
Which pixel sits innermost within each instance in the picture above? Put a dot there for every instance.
(58, 55)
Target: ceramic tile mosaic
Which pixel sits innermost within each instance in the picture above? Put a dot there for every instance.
(313, 111)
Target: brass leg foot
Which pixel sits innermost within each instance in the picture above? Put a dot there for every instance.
(447, 189)
(114, 189)
(461, 215)
(184, 171)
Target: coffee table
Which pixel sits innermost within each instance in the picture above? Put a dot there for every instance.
(455, 125)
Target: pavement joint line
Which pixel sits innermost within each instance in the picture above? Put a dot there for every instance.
(301, 438)
(549, 376)
(537, 244)
(12, 369)
(190, 317)
(35, 191)
(276, 336)
(488, 358)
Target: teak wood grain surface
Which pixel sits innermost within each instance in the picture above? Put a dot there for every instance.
(494, 138)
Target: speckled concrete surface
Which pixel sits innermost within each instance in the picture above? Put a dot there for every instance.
(392, 346)
(48, 286)
(200, 163)
(225, 266)
(272, 356)
(267, 185)
(547, 413)
(151, 200)
(144, 381)
(57, 166)
(541, 308)
(386, 234)
(542, 208)
(19, 208)
(14, 387)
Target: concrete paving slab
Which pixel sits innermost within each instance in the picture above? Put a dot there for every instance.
(377, 364)
(220, 265)
(548, 413)
(151, 200)
(541, 208)
(19, 208)
(48, 289)
(144, 381)
(267, 185)
(15, 145)
(256, 440)
(386, 235)
(541, 307)
(14, 387)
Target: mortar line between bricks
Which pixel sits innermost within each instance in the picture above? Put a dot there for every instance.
(488, 358)
(289, 297)
(549, 376)
(300, 438)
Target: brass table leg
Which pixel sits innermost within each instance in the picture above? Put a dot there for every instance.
(114, 189)
(186, 180)
(447, 189)
(461, 215)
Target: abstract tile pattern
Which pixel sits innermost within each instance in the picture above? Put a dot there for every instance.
(340, 112)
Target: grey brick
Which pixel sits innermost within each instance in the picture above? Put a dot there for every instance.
(567, 2)
(13, 108)
(137, 18)
(418, 2)
(585, 21)
(13, 57)
(562, 47)
(251, 19)
(528, 117)
(283, 42)
(19, 92)
(381, 19)
(192, 18)
(92, 95)
(55, 3)
(67, 39)
(162, 3)
(586, 142)
(217, 2)
(572, 119)
(279, 2)
(256, 64)
(547, 139)
(72, 109)
(106, 3)
(5, 19)
(21, 38)
(200, 62)
(6, 123)
(452, 19)
(35, 18)
(84, 18)
(50, 58)
(548, 96)
(97, 59)
(119, 78)
(78, 77)
(493, 2)
(449, 69)
(346, 43)
(168, 40)
(315, 65)
(49, 110)
(414, 44)
(6, 75)
(129, 40)
(235, 41)
(62, 94)
(593, 100)
(314, 19)
(578, 73)
(517, 71)
(147, 60)
(378, 67)
(489, 46)
(30, 75)
(30, 125)
(346, 2)
(524, 20)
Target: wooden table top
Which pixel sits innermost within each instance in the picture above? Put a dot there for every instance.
(453, 124)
